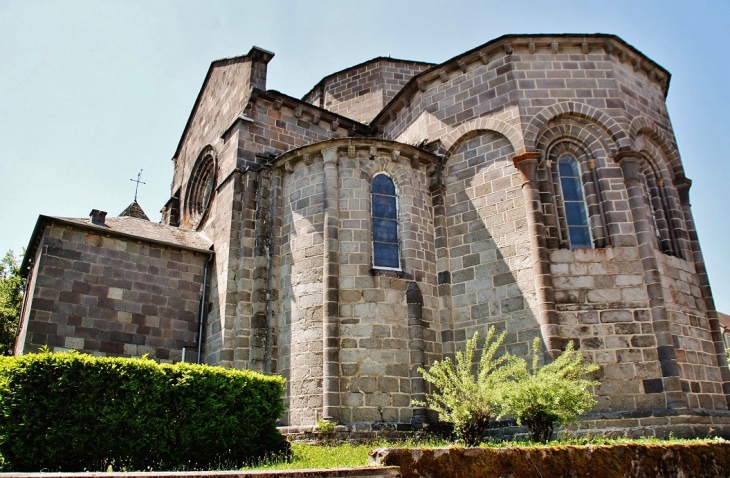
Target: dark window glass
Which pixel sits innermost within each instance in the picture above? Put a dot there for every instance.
(579, 237)
(384, 206)
(385, 223)
(575, 206)
(571, 189)
(386, 255)
(382, 184)
(385, 230)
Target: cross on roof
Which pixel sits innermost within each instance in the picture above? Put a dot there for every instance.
(139, 175)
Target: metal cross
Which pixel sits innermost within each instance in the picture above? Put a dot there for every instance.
(139, 175)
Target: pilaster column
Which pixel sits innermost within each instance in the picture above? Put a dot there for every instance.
(261, 253)
(330, 280)
(547, 316)
(645, 237)
(414, 297)
(683, 184)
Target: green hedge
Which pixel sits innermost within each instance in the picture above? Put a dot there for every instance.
(75, 412)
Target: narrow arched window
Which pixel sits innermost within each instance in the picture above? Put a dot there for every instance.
(386, 252)
(651, 211)
(576, 217)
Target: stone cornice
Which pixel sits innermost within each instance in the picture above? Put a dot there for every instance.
(507, 45)
(358, 147)
(300, 109)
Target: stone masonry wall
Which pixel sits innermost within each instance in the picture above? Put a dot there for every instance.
(492, 281)
(376, 338)
(603, 307)
(108, 295)
(300, 286)
(361, 92)
(224, 97)
(699, 370)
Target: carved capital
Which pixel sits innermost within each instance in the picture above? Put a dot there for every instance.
(527, 164)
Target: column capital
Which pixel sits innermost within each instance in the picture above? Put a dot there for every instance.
(629, 162)
(683, 184)
(329, 155)
(527, 164)
(524, 158)
(626, 154)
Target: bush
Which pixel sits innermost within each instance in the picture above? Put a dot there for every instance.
(554, 393)
(466, 399)
(74, 412)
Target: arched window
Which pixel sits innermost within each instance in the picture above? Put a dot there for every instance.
(659, 210)
(651, 212)
(386, 253)
(576, 217)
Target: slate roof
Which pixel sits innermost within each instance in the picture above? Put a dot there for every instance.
(126, 226)
(144, 229)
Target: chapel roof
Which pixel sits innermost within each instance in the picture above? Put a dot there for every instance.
(134, 210)
(124, 226)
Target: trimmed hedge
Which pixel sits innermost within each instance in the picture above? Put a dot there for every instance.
(75, 412)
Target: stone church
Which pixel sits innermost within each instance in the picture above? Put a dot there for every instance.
(347, 238)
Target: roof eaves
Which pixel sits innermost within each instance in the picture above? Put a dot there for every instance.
(33, 243)
(291, 102)
(93, 227)
(426, 75)
(379, 58)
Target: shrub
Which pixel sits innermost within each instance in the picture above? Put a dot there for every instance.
(556, 392)
(74, 412)
(464, 398)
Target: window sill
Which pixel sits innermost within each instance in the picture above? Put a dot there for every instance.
(390, 273)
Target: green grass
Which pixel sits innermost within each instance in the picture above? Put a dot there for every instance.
(322, 456)
(345, 455)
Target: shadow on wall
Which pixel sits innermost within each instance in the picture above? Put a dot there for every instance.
(488, 245)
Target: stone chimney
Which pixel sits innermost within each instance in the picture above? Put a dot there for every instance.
(98, 217)
(260, 58)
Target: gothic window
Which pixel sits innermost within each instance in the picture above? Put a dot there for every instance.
(200, 188)
(386, 253)
(574, 205)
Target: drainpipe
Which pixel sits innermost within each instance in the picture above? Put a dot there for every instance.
(201, 316)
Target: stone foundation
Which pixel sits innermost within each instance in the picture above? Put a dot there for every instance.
(631, 460)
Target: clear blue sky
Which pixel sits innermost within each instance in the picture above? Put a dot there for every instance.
(93, 91)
